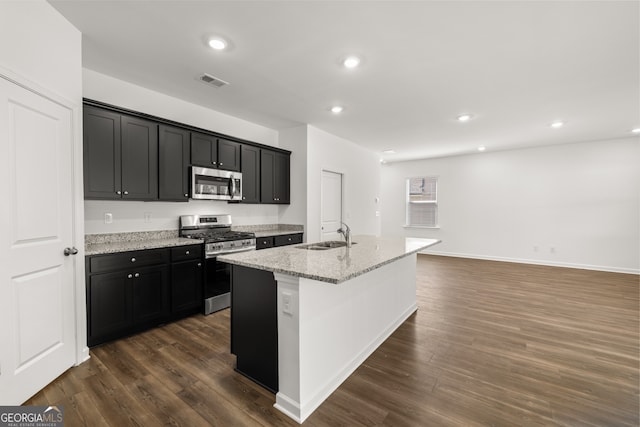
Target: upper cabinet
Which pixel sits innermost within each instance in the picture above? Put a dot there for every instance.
(120, 156)
(250, 174)
(274, 177)
(211, 152)
(134, 156)
(173, 163)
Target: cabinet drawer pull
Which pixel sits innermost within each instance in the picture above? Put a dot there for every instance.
(289, 239)
(118, 192)
(199, 264)
(136, 275)
(186, 252)
(133, 260)
(126, 192)
(213, 163)
(129, 276)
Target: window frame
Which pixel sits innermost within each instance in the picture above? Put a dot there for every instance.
(408, 202)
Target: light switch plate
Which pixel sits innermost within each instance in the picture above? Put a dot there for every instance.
(286, 303)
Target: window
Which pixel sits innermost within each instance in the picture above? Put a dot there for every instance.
(422, 202)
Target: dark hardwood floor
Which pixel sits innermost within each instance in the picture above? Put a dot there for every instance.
(492, 344)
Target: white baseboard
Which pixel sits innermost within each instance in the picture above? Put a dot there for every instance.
(535, 262)
(288, 406)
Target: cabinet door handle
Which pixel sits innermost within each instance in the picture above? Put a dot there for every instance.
(126, 192)
(133, 260)
(130, 276)
(136, 275)
(213, 163)
(221, 164)
(199, 264)
(186, 194)
(118, 192)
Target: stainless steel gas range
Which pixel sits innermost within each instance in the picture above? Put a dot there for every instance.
(218, 238)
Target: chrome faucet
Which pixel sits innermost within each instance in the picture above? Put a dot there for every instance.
(346, 232)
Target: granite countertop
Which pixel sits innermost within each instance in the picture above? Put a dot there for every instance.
(334, 265)
(97, 244)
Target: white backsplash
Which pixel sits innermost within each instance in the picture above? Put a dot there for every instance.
(148, 216)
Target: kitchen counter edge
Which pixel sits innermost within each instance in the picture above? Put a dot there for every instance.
(333, 280)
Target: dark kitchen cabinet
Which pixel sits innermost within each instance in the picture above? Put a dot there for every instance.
(254, 325)
(287, 239)
(209, 151)
(126, 292)
(274, 177)
(280, 240)
(228, 155)
(186, 280)
(109, 306)
(250, 174)
(101, 136)
(150, 295)
(173, 164)
(120, 156)
(204, 150)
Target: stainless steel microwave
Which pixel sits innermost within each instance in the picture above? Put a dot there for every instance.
(214, 184)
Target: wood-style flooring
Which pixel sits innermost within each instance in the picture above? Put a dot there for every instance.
(492, 344)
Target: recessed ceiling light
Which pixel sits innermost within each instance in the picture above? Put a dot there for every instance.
(336, 109)
(482, 148)
(351, 62)
(389, 151)
(464, 117)
(636, 130)
(557, 124)
(218, 43)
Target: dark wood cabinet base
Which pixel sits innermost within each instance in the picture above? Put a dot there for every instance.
(254, 325)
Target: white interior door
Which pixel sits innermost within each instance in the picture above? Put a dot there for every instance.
(37, 311)
(331, 205)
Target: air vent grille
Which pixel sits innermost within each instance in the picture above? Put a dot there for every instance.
(213, 81)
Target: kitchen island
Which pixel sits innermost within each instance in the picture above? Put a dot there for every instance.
(330, 308)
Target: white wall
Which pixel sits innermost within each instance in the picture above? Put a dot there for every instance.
(295, 140)
(574, 205)
(361, 173)
(39, 44)
(128, 215)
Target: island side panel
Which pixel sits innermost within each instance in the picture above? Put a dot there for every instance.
(332, 329)
(254, 332)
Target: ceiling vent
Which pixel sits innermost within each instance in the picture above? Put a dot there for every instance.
(213, 81)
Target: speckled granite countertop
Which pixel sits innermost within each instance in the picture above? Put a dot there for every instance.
(270, 229)
(333, 265)
(97, 244)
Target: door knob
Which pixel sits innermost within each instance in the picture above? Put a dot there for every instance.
(70, 251)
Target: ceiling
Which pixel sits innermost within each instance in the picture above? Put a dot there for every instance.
(514, 66)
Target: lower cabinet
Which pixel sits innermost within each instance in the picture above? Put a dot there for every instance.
(281, 240)
(128, 292)
(186, 281)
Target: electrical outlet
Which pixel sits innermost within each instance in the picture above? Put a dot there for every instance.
(108, 218)
(535, 249)
(552, 249)
(286, 303)
(147, 217)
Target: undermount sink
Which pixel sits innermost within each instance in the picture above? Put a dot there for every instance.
(323, 246)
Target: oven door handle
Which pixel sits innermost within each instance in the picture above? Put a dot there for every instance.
(232, 187)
